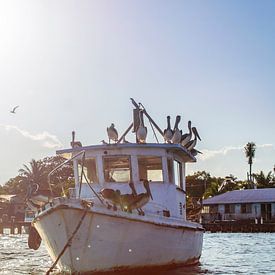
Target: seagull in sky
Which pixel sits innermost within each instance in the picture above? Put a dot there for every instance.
(13, 110)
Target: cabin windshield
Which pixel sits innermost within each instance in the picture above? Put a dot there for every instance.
(150, 168)
(89, 169)
(117, 169)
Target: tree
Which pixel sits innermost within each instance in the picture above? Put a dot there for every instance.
(35, 172)
(250, 149)
(264, 181)
(38, 171)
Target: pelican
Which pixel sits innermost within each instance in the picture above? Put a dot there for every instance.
(112, 133)
(194, 152)
(177, 133)
(142, 130)
(192, 143)
(75, 143)
(141, 199)
(186, 137)
(168, 133)
(14, 108)
(125, 141)
(111, 195)
(127, 199)
(37, 197)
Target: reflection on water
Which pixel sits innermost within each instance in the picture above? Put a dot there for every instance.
(223, 253)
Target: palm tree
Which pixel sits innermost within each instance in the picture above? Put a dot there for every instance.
(35, 172)
(250, 154)
(264, 181)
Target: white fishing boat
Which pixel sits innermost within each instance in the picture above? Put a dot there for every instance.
(127, 210)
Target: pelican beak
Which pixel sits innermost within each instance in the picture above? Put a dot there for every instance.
(197, 134)
(150, 194)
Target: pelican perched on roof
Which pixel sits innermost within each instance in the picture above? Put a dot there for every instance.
(186, 137)
(75, 143)
(112, 133)
(177, 133)
(142, 130)
(194, 152)
(168, 132)
(192, 143)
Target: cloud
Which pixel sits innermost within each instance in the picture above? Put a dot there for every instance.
(207, 154)
(48, 140)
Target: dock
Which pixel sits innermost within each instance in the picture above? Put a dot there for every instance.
(15, 227)
(239, 226)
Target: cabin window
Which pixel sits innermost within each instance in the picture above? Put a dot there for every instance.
(229, 208)
(117, 169)
(89, 170)
(150, 168)
(170, 169)
(246, 208)
(178, 173)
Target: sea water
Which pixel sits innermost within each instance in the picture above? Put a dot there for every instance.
(223, 253)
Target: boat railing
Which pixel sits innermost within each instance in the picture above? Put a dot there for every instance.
(81, 153)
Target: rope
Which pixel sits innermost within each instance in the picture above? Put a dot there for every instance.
(154, 131)
(69, 242)
(93, 189)
(82, 172)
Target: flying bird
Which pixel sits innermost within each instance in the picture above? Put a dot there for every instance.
(13, 110)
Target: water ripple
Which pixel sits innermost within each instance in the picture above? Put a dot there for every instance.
(223, 254)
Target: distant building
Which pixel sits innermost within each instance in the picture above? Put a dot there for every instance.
(12, 206)
(240, 205)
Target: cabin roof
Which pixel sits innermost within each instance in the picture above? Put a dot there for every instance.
(183, 152)
(243, 196)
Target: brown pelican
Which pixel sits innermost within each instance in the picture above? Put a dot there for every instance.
(186, 137)
(177, 133)
(168, 132)
(142, 130)
(112, 133)
(192, 143)
(75, 143)
(112, 196)
(127, 199)
(125, 141)
(37, 197)
(194, 152)
(141, 199)
(14, 108)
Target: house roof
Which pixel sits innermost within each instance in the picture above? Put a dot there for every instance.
(243, 196)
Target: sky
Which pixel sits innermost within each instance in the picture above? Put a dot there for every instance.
(73, 65)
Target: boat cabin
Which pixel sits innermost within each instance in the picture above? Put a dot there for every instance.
(114, 166)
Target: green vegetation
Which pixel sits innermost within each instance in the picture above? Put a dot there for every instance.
(37, 171)
(250, 149)
(199, 186)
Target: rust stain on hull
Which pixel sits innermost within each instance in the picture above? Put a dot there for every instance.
(152, 269)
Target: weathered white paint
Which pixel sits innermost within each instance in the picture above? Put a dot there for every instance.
(107, 240)
(110, 239)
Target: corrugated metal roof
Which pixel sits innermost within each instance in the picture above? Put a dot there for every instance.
(243, 196)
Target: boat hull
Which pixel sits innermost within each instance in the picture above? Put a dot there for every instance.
(109, 242)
